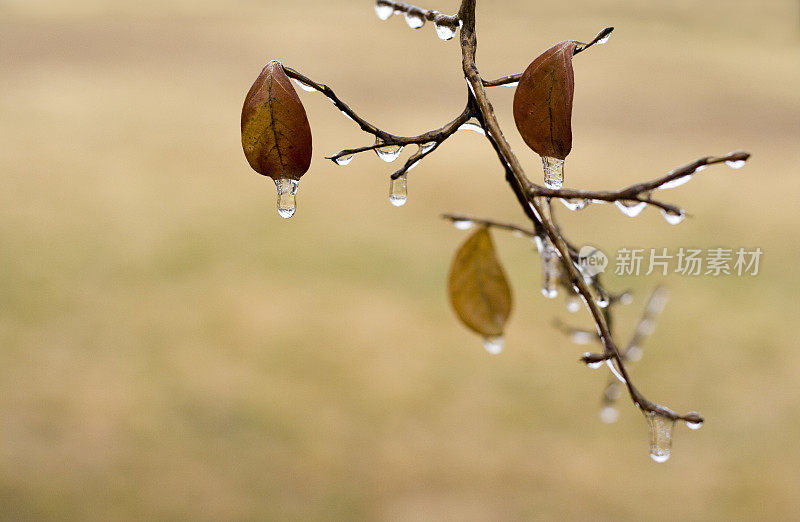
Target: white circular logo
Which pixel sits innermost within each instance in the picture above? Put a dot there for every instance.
(592, 260)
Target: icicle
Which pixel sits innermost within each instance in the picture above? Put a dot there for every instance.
(553, 172)
(493, 345)
(550, 269)
(287, 190)
(398, 190)
(660, 436)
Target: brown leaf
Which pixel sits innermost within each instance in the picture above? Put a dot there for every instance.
(276, 137)
(543, 102)
(477, 286)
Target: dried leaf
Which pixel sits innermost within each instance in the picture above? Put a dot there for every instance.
(477, 286)
(543, 102)
(276, 136)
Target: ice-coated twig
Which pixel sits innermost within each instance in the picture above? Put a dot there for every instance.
(642, 192)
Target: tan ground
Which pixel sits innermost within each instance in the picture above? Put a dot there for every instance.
(171, 349)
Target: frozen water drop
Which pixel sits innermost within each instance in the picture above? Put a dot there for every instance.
(463, 224)
(444, 30)
(673, 218)
(660, 436)
(383, 11)
(414, 19)
(694, 425)
(573, 304)
(306, 87)
(595, 365)
(553, 172)
(582, 337)
(677, 182)
(609, 414)
(634, 354)
(388, 153)
(603, 40)
(474, 127)
(511, 84)
(693, 420)
(603, 300)
(574, 204)
(630, 208)
(735, 164)
(344, 160)
(287, 190)
(493, 345)
(398, 190)
(427, 147)
(626, 298)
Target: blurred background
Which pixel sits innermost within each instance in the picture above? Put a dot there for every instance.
(170, 348)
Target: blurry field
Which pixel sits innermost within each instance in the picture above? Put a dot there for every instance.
(172, 349)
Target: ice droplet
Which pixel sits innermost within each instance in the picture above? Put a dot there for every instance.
(575, 204)
(426, 147)
(493, 345)
(414, 20)
(696, 421)
(553, 172)
(444, 31)
(609, 414)
(603, 300)
(306, 87)
(737, 164)
(603, 40)
(383, 11)
(594, 365)
(344, 160)
(634, 354)
(474, 127)
(677, 182)
(660, 436)
(573, 303)
(463, 224)
(388, 153)
(287, 190)
(672, 217)
(511, 84)
(581, 337)
(398, 190)
(630, 208)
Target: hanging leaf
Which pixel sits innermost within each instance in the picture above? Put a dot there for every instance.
(276, 137)
(543, 102)
(477, 286)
